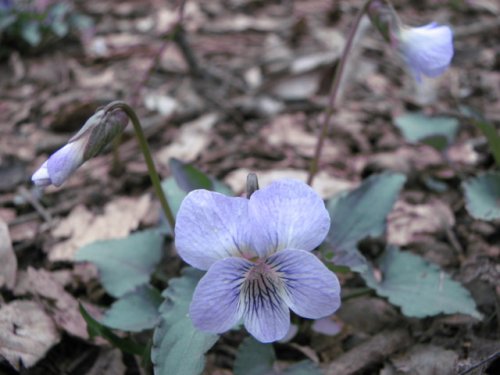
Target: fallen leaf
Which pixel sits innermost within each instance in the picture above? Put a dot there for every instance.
(8, 260)
(26, 333)
(426, 360)
(409, 223)
(463, 153)
(325, 185)
(62, 305)
(406, 159)
(81, 227)
(108, 362)
(288, 129)
(192, 139)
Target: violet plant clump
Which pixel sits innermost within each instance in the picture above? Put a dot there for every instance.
(258, 255)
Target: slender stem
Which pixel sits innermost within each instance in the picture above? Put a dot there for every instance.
(313, 169)
(357, 293)
(153, 174)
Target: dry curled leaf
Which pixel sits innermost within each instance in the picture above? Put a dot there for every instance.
(8, 260)
(62, 305)
(409, 223)
(26, 333)
(192, 139)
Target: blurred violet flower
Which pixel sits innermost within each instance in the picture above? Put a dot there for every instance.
(95, 134)
(257, 253)
(428, 49)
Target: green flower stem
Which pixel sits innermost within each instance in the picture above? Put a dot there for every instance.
(313, 169)
(153, 174)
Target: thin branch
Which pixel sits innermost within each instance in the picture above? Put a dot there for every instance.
(334, 93)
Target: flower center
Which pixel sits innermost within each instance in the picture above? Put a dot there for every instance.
(259, 270)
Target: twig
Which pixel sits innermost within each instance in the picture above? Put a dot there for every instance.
(169, 35)
(473, 367)
(334, 92)
(372, 351)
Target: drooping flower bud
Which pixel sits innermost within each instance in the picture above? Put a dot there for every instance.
(95, 134)
(384, 18)
(427, 50)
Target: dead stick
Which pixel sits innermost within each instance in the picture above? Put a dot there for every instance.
(374, 350)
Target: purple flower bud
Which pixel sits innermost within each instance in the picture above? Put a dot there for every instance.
(95, 134)
(384, 18)
(428, 49)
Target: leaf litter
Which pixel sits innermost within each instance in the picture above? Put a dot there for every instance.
(289, 52)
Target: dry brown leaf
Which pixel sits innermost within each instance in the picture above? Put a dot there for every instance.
(108, 362)
(192, 139)
(288, 129)
(26, 333)
(81, 227)
(405, 159)
(8, 260)
(325, 185)
(62, 305)
(463, 153)
(426, 360)
(413, 223)
(243, 22)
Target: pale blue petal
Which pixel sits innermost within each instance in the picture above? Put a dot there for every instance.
(427, 49)
(64, 162)
(216, 301)
(266, 315)
(287, 214)
(313, 291)
(41, 176)
(211, 226)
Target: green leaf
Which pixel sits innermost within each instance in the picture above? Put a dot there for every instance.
(189, 177)
(126, 263)
(135, 311)
(305, 367)
(254, 358)
(178, 347)
(437, 132)
(482, 195)
(95, 328)
(31, 33)
(421, 289)
(358, 214)
(174, 194)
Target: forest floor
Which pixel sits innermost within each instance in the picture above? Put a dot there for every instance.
(250, 98)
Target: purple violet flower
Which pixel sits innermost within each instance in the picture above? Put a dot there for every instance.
(428, 49)
(258, 255)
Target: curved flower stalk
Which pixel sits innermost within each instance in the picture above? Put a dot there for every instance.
(427, 50)
(95, 134)
(257, 253)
